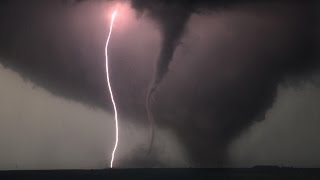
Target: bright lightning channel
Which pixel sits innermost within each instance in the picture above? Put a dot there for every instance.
(114, 14)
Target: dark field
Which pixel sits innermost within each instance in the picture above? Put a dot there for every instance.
(262, 173)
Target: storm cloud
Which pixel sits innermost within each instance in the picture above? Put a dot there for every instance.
(235, 102)
(207, 99)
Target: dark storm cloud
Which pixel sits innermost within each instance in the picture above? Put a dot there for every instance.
(205, 119)
(237, 104)
(172, 17)
(40, 40)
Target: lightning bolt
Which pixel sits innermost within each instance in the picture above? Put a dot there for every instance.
(114, 14)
